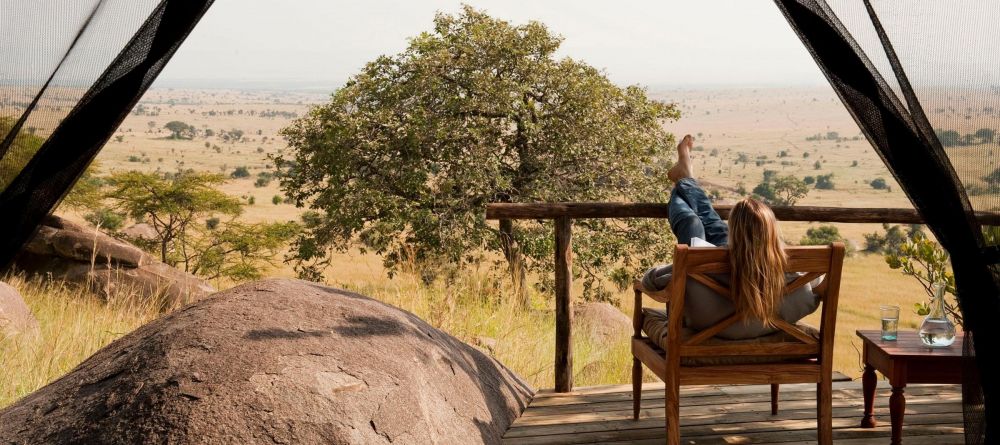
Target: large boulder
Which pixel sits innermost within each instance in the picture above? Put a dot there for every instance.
(70, 251)
(277, 361)
(601, 323)
(15, 317)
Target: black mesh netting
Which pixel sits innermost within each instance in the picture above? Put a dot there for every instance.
(69, 74)
(920, 80)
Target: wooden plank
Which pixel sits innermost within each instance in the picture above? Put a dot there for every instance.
(649, 428)
(652, 399)
(755, 350)
(564, 305)
(740, 412)
(711, 283)
(722, 423)
(749, 374)
(941, 439)
(553, 210)
(706, 334)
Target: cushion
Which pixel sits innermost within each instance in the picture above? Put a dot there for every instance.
(654, 325)
(703, 307)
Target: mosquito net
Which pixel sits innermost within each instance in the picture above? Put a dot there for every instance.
(920, 82)
(70, 72)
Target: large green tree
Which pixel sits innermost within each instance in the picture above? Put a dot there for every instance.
(409, 151)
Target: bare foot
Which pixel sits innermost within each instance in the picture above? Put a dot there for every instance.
(683, 168)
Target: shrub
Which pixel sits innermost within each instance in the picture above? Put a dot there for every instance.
(240, 172)
(821, 235)
(825, 182)
(105, 218)
(276, 199)
(212, 223)
(879, 184)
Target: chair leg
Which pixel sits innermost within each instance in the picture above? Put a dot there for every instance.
(636, 387)
(672, 410)
(774, 399)
(824, 412)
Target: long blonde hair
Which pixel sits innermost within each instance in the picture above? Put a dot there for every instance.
(758, 261)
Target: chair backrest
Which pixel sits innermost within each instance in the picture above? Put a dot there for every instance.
(700, 263)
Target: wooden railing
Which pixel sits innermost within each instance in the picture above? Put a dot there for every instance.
(563, 213)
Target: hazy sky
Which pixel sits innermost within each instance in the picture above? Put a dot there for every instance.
(659, 43)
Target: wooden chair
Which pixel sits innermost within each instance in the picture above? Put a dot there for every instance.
(799, 357)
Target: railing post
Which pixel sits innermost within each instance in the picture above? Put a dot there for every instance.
(564, 306)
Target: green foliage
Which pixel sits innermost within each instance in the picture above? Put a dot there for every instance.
(406, 155)
(825, 182)
(986, 135)
(782, 191)
(809, 180)
(240, 172)
(263, 179)
(817, 165)
(24, 147)
(276, 199)
(212, 223)
(949, 138)
(239, 250)
(170, 205)
(180, 130)
(890, 242)
(173, 204)
(993, 180)
(87, 193)
(105, 219)
(821, 236)
(928, 263)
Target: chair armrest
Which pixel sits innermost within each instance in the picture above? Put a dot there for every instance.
(662, 295)
(638, 318)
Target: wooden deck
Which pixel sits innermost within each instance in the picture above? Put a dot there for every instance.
(735, 415)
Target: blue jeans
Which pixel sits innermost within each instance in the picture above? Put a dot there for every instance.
(691, 215)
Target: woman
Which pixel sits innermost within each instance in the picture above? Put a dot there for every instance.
(757, 277)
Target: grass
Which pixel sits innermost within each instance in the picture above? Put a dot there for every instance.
(75, 323)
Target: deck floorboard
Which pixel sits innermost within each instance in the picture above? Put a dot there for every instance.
(734, 414)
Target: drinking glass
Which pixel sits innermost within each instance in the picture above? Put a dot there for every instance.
(890, 321)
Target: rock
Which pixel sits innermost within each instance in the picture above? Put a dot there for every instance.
(487, 343)
(80, 254)
(276, 361)
(601, 322)
(15, 317)
(141, 231)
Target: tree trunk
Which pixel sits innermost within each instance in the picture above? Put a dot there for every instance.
(515, 260)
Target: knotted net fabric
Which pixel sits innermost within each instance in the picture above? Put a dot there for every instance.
(921, 80)
(69, 74)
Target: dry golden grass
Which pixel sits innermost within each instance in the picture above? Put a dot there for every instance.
(73, 324)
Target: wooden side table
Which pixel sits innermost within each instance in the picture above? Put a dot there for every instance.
(904, 361)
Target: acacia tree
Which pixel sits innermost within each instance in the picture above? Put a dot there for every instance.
(409, 151)
(180, 130)
(170, 205)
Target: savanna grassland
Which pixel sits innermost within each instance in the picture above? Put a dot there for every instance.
(739, 134)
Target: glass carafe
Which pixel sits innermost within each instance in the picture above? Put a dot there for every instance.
(937, 331)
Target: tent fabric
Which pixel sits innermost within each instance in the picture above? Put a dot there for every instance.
(926, 127)
(71, 73)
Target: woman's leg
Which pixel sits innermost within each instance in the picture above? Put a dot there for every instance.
(690, 209)
(714, 229)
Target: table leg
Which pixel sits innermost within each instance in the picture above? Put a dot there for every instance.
(868, 383)
(897, 404)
